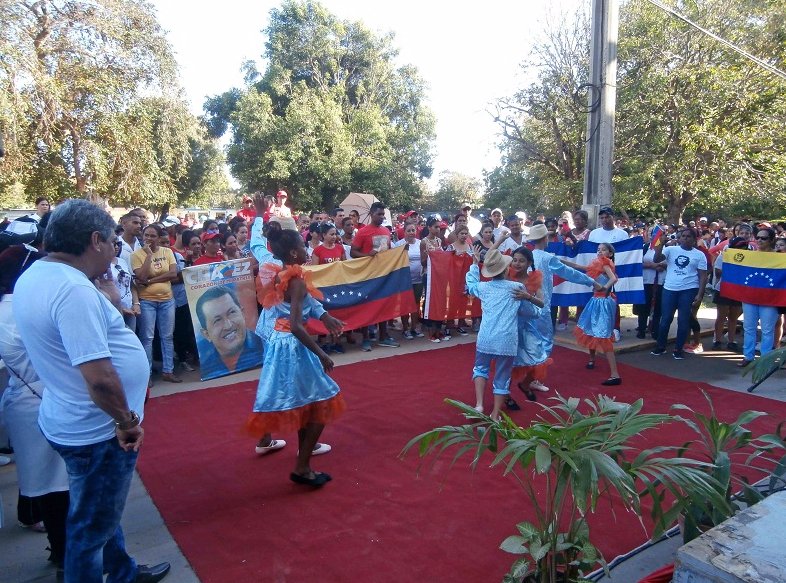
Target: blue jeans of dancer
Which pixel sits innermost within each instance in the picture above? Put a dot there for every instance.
(752, 314)
(681, 302)
(503, 368)
(161, 315)
(99, 476)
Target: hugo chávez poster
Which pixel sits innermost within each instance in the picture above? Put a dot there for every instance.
(223, 305)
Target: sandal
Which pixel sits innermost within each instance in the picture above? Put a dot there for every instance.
(319, 479)
(612, 382)
(528, 392)
(590, 365)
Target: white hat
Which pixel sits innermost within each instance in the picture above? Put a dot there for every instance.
(170, 221)
(537, 232)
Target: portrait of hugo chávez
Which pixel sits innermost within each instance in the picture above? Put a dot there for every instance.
(225, 344)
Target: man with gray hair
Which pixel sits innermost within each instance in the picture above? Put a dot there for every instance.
(93, 408)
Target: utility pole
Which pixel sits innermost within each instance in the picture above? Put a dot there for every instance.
(601, 102)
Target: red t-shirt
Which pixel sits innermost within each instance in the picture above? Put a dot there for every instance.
(326, 255)
(370, 238)
(247, 215)
(205, 259)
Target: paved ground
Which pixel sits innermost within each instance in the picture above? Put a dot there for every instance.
(22, 556)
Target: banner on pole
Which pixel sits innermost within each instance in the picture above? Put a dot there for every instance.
(445, 297)
(222, 301)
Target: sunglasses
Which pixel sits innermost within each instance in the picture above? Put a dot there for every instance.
(762, 238)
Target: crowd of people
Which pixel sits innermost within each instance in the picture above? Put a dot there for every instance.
(87, 303)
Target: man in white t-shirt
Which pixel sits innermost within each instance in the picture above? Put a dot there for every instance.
(90, 363)
(132, 228)
(607, 232)
(514, 238)
(473, 224)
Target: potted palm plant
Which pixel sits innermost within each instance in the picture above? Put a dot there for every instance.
(736, 458)
(573, 454)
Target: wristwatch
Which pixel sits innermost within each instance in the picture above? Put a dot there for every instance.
(128, 424)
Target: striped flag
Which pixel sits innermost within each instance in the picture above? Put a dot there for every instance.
(656, 234)
(365, 291)
(627, 261)
(754, 277)
(446, 281)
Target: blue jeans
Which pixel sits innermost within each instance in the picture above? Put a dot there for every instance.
(752, 314)
(504, 366)
(161, 315)
(99, 476)
(682, 302)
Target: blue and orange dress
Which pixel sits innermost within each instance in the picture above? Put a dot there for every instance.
(595, 328)
(532, 361)
(294, 390)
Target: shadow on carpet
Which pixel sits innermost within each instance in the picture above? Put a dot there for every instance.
(237, 517)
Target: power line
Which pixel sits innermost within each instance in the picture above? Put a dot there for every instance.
(772, 69)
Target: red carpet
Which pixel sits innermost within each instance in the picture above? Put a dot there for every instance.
(237, 517)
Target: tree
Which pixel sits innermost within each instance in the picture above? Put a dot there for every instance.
(71, 74)
(697, 124)
(455, 189)
(331, 113)
(543, 126)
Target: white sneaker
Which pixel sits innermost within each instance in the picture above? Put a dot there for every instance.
(274, 445)
(617, 336)
(321, 448)
(4, 460)
(561, 327)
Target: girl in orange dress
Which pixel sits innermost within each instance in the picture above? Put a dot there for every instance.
(294, 391)
(595, 328)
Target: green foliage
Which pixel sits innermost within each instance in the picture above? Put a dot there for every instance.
(453, 190)
(572, 455)
(332, 113)
(698, 126)
(731, 449)
(71, 76)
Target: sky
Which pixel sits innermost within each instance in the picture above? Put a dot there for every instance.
(469, 54)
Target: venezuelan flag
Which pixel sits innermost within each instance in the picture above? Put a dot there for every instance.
(754, 277)
(364, 291)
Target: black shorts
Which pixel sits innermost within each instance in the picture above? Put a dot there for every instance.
(719, 300)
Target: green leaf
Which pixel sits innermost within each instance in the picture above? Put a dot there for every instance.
(542, 459)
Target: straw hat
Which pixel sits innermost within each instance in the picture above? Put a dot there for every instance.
(537, 232)
(287, 223)
(495, 263)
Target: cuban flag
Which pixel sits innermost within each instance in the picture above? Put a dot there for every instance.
(754, 277)
(627, 262)
(365, 291)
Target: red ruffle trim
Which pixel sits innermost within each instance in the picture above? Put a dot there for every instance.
(274, 281)
(320, 412)
(595, 268)
(527, 374)
(592, 342)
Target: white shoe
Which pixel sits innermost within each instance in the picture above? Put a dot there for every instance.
(561, 327)
(617, 335)
(321, 449)
(4, 460)
(274, 445)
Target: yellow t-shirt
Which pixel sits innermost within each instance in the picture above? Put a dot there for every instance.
(160, 262)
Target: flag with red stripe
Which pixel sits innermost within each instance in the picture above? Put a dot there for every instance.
(365, 291)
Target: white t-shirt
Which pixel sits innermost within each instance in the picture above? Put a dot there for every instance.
(415, 267)
(650, 276)
(509, 245)
(64, 321)
(601, 235)
(682, 268)
(128, 250)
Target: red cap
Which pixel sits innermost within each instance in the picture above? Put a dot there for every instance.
(410, 213)
(443, 225)
(207, 236)
(281, 193)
